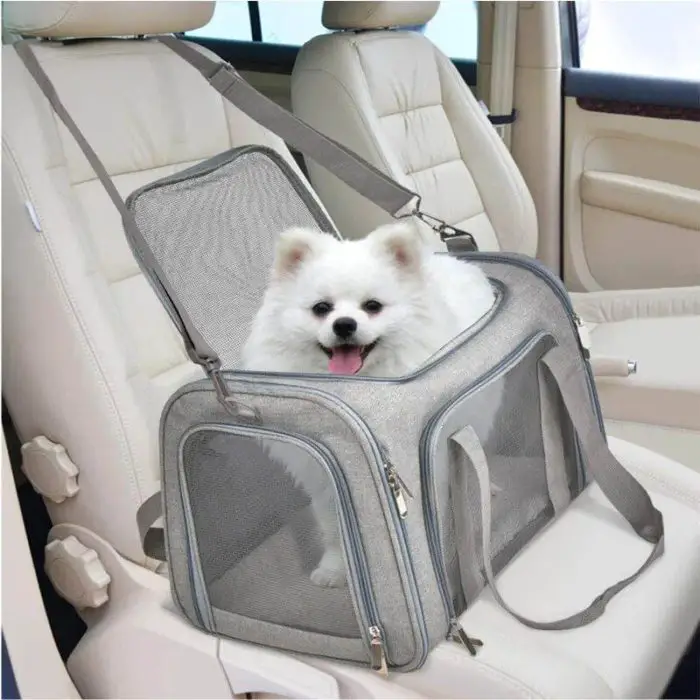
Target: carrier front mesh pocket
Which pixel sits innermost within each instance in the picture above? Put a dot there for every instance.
(272, 538)
(532, 468)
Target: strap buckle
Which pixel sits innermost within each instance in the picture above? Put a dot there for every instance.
(222, 77)
(212, 367)
(235, 408)
(456, 240)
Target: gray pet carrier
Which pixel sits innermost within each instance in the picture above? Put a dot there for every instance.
(430, 500)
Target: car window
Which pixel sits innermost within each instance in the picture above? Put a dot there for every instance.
(293, 22)
(638, 37)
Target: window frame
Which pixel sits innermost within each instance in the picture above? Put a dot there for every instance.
(621, 93)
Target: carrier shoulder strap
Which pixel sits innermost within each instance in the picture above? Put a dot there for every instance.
(356, 172)
(625, 493)
(347, 166)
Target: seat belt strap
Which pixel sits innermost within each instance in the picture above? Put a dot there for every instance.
(505, 29)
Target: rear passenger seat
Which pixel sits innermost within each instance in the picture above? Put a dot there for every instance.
(395, 99)
(89, 356)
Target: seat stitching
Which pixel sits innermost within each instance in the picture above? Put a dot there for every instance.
(408, 110)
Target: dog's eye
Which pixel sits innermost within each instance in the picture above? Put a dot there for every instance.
(372, 306)
(323, 308)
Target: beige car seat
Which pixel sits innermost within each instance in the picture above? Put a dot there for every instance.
(89, 356)
(397, 100)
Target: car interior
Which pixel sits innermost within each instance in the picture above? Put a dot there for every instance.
(594, 174)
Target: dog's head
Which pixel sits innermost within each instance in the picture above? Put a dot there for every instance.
(347, 307)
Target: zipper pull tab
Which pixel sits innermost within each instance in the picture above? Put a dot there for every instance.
(398, 488)
(584, 335)
(377, 651)
(458, 634)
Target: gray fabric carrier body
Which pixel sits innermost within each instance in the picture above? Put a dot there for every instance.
(430, 498)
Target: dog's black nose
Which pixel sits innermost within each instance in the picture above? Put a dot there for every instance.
(344, 327)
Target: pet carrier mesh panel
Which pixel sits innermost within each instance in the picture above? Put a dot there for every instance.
(224, 215)
(259, 544)
(352, 517)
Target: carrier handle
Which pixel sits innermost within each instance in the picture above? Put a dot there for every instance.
(354, 171)
(152, 538)
(625, 493)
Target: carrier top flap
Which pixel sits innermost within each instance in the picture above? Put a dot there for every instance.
(205, 237)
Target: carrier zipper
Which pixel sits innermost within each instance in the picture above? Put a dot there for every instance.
(584, 335)
(377, 651)
(398, 487)
(458, 634)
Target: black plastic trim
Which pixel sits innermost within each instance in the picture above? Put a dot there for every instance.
(633, 89)
(255, 24)
(467, 69)
(569, 34)
(10, 691)
(502, 119)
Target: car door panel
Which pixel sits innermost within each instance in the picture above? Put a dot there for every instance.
(631, 191)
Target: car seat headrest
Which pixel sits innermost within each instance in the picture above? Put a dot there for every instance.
(90, 19)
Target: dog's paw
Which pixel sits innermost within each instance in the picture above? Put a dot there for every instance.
(330, 572)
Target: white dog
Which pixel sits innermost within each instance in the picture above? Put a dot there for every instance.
(378, 306)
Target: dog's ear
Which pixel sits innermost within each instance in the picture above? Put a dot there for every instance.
(294, 247)
(403, 243)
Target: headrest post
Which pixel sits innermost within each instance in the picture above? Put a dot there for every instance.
(351, 15)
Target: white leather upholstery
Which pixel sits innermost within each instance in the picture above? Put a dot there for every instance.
(411, 118)
(395, 99)
(89, 18)
(660, 329)
(89, 356)
(376, 15)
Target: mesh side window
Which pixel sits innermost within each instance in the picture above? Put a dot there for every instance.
(262, 509)
(212, 230)
(512, 439)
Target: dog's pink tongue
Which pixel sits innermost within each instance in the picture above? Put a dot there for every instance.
(345, 360)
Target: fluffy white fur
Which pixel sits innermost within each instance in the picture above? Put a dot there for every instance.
(426, 300)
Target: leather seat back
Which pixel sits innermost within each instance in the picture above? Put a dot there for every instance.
(394, 98)
(89, 354)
